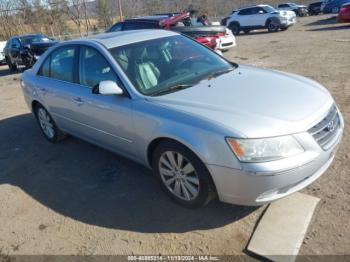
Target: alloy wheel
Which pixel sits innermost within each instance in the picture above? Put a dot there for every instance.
(272, 27)
(179, 175)
(46, 123)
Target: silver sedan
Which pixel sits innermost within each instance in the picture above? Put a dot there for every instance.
(206, 126)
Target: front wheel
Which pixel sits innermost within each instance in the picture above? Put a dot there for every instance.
(47, 125)
(272, 27)
(183, 175)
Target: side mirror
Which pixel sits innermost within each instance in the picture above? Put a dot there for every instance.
(107, 88)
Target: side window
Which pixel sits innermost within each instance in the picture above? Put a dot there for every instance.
(245, 11)
(93, 68)
(255, 11)
(139, 25)
(62, 61)
(117, 27)
(258, 10)
(45, 68)
(16, 43)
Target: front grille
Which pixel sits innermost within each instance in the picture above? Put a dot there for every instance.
(326, 131)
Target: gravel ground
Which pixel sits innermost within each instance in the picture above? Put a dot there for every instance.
(75, 198)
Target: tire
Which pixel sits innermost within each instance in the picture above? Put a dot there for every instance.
(189, 181)
(12, 67)
(246, 31)
(272, 27)
(335, 10)
(47, 125)
(235, 28)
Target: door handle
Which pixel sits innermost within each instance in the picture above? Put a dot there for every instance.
(78, 101)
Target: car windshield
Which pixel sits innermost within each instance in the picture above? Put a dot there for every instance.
(168, 64)
(269, 9)
(26, 40)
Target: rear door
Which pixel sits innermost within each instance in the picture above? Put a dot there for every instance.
(57, 87)
(244, 18)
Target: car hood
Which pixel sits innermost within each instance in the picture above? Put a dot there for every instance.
(254, 102)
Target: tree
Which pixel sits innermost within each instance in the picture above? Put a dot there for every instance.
(104, 13)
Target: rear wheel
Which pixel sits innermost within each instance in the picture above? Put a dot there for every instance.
(272, 27)
(47, 125)
(235, 28)
(182, 174)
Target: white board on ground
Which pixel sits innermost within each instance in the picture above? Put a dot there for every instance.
(282, 228)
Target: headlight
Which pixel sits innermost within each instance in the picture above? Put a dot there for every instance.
(264, 149)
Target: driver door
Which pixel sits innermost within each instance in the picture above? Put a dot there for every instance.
(104, 119)
(259, 16)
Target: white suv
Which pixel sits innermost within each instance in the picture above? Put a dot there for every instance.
(259, 17)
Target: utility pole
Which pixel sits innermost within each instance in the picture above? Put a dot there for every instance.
(120, 11)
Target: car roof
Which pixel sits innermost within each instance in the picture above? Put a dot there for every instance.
(115, 39)
(150, 17)
(251, 6)
(29, 35)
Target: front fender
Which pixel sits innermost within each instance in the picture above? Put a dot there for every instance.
(204, 138)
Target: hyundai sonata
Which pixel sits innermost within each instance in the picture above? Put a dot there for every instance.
(206, 126)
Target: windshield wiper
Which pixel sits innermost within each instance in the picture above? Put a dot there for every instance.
(219, 73)
(171, 89)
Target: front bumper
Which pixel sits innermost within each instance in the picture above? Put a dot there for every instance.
(226, 43)
(260, 183)
(288, 22)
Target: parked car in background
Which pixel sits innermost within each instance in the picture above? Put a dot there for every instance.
(259, 17)
(344, 14)
(205, 125)
(332, 6)
(215, 37)
(300, 10)
(315, 8)
(226, 40)
(2, 56)
(26, 49)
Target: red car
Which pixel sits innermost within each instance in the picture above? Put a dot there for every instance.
(344, 14)
(207, 35)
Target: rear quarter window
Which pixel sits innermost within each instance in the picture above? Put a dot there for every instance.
(45, 68)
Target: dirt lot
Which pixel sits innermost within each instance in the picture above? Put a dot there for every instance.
(75, 198)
